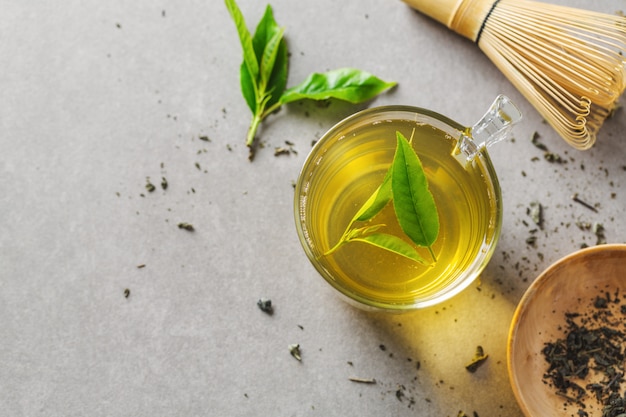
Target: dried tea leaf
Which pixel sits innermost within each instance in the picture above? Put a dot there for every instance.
(294, 349)
(265, 304)
(149, 186)
(479, 358)
(535, 211)
(362, 380)
(186, 226)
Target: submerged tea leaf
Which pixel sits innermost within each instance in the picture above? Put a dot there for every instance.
(413, 203)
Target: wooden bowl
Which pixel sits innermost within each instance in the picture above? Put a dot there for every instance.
(569, 285)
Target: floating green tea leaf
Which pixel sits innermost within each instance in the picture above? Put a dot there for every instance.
(406, 185)
(394, 244)
(412, 200)
(377, 201)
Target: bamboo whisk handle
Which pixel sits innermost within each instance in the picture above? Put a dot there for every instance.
(466, 17)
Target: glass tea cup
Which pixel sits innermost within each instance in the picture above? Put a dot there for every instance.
(349, 163)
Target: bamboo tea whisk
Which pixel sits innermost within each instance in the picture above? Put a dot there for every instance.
(568, 63)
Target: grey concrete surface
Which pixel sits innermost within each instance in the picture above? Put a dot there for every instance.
(107, 308)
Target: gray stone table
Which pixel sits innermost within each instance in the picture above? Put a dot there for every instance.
(108, 308)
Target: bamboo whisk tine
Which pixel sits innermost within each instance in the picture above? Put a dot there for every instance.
(569, 63)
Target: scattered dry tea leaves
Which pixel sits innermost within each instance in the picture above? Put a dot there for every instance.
(288, 149)
(548, 156)
(535, 141)
(587, 362)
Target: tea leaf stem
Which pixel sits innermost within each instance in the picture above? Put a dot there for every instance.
(368, 235)
(271, 109)
(337, 246)
(254, 126)
(262, 99)
(350, 235)
(432, 253)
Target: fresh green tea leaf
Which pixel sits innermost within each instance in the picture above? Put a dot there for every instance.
(348, 84)
(265, 30)
(268, 59)
(413, 202)
(248, 87)
(406, 185)
(276, 73)
(394, 244)
(249, 56)
(263, 73)
(377, 201)
(277, 82)
(362, 231)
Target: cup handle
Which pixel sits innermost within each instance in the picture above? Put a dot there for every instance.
(494, 126)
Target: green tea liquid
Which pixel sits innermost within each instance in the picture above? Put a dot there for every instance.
(465, 197)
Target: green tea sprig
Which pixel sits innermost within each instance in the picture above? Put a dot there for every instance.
(405, 185)
(263, 74)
